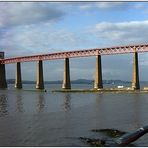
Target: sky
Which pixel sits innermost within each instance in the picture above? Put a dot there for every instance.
(29, 28)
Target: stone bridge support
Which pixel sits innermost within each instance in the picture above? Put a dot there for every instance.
(135, 77)
(40, 79)
(98, 76)
(66, 80)
(18, 79)
(3, 83)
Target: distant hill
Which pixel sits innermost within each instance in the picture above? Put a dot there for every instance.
(12, 81)
(78, 81)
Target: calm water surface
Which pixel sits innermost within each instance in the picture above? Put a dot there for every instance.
(32, 118)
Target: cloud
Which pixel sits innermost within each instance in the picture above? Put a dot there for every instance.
(112, 5)
(132, 32)
(139, 5)
(41, 39)
(143, 63)
(105, 5)
(86, 6)
(25, 13)
(143, 59)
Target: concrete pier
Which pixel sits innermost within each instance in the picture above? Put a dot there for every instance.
(40, 79)
(135, 78)
(18, 79)
(66, 80)
(3, 83)
(98, 76)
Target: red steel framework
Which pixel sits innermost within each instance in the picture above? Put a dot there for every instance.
(78, 53)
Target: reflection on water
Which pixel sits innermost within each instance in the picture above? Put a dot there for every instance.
(41, 102)
(98, 108)
(67, 102)
(3, 105)
(19, 104)
(136, 115)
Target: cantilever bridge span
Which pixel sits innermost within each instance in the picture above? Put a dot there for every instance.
(72, 54)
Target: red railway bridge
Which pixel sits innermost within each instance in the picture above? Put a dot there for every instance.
(98, 52)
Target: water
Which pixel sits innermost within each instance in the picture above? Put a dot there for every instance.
(33, 118)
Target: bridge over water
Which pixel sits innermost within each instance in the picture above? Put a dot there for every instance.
(98, 52)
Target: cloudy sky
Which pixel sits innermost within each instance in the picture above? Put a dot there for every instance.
(29, 28)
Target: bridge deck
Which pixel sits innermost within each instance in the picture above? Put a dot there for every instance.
(78, 53)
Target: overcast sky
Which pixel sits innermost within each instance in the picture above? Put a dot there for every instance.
(28, 28)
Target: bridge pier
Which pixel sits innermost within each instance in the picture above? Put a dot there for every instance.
(40, 79)
(98, 76)
(3, 83)
(135, 77)
(66, 80)
(18, 80)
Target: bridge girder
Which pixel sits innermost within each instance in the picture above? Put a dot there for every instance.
(78, 53)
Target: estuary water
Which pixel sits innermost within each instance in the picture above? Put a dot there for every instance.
(34, 118)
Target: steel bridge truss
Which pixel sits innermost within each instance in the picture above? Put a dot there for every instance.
(78, 53)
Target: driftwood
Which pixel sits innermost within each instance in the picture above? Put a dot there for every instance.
(131, 137)
(120, 138)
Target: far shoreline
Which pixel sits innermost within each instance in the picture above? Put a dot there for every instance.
(109, 90)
